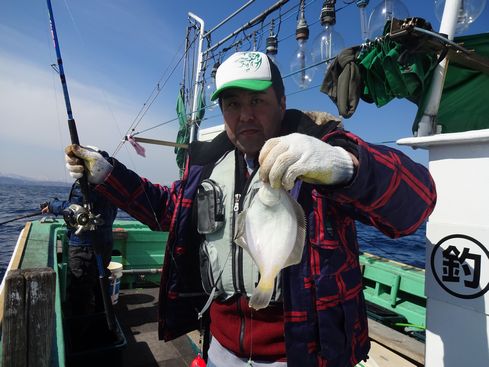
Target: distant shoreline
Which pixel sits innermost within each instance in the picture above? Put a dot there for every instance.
(6, 180)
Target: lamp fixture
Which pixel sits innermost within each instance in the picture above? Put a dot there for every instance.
(362, 4)
(329, 42)
(384, 11)
(300, 69)
(468, 12)
(210, 88)
(272, 44)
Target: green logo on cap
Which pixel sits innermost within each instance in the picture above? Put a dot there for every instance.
(250, 61)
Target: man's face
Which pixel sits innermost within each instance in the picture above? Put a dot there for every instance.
(251, 118)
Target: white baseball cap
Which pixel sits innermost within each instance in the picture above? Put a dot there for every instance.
(249, 70)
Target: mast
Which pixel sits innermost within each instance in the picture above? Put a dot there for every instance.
(426, 125)
(200, 67)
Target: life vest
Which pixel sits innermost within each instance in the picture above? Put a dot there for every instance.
(226, 268)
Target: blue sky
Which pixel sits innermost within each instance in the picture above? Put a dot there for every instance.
(114, 54)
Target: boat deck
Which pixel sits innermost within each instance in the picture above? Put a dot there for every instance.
(85, 341)
(136, 312)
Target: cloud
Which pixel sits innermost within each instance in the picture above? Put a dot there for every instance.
(34, 121)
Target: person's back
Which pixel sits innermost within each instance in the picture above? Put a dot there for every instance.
(83, 288)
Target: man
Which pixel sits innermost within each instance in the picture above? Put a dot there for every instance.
(317, 315)
(84, 293)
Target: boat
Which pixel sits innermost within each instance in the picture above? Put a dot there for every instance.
(411, 311)
(394, 291)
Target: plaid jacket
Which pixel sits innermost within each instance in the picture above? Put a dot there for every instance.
(324, 311)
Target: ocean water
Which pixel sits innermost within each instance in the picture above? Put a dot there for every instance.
(20, 200)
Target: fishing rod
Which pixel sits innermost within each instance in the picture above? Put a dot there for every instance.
(41, 207)
(83, 218)
(21, 217)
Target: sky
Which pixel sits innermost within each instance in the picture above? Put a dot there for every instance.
(116, 52)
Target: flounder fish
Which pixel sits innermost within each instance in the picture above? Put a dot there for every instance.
(272, 230)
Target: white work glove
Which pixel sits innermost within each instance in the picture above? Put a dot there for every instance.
(284, 159)
(79, 158)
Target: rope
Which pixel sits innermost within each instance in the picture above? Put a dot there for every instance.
(154, 94)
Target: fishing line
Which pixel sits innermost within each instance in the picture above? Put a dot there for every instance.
(150, 100)
(83, 43)
(250, 360)
(158, 88)
(54, 68)
(22, 217)
(61, 143)
(75, 26)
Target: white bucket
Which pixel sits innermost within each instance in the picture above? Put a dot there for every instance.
(114, 281)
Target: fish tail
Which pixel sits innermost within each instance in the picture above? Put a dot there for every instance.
(262, 294)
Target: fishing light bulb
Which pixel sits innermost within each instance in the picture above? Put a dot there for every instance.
(384, 11)
(328, 43)
(210, 88)
(302, 75)
(300, 63)
(272, 45)
(468, 12)
(362, 4)
(210, 105)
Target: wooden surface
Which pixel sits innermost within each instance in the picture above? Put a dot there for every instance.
(14, 330)
(41, 295)
(380, 356)
(28, 325)
(15, 261)
(410, 349)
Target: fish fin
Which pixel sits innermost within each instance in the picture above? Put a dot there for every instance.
(296, 253)
(240, 238)
(261, 295)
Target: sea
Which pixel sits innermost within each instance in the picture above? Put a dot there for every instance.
(21, 199)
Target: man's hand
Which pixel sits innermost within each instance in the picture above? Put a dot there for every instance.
(44, 208)
(284, 159)
(80, 158)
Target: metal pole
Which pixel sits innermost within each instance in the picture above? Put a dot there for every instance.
(193, 127)
(230, 17)
(249, 24)
(426, 125)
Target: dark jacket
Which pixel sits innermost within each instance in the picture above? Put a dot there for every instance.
(101, 206)
(324, 310)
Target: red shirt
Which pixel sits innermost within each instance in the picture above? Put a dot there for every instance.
(244, 331)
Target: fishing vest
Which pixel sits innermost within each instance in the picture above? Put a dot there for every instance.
(226, 268)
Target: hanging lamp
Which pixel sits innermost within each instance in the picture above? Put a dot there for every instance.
(468, 12)
(329, 42)
(300, 64)
(272, 44)
(383, 12)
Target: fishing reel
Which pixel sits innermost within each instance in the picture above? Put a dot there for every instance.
(81, 219)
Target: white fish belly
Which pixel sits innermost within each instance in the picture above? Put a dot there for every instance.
(271, 234)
